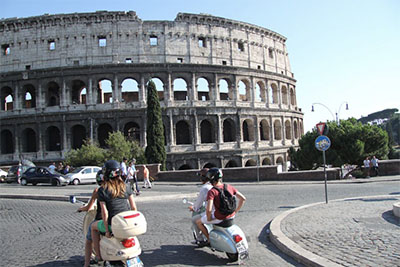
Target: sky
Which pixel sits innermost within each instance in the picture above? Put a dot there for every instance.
(341, 51)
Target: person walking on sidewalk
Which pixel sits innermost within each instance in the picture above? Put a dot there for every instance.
(146, 177)
(367, 165)
(375, 165)
(124, 169)
(132, 178)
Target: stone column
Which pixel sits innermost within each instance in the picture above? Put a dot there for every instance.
(63, 98)
(142, 91)
(193, 96)
(40, 98)
(168, 93)
(16, 99)
(272, 131)
(219, 127)
(89, 92)
(267, 94)
(279, 94)
(215, 88)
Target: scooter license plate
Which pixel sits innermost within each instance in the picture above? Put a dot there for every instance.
(134, 262)
(242, 250)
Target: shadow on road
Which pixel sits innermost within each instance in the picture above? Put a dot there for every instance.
(71, 262)
(389, 217)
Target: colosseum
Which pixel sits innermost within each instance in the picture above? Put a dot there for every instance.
(226, 89)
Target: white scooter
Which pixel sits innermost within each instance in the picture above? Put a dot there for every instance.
(225, 237)
(123, 248)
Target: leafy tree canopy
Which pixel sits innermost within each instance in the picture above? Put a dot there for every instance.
(351, 142)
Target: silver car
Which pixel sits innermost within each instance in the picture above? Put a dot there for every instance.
(83, 175)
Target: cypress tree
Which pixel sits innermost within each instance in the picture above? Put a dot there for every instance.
(155, 150)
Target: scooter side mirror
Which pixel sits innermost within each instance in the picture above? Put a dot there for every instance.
(72, 199)
(185, 201)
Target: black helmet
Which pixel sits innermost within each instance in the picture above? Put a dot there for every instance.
(214, 174)
(111, 169)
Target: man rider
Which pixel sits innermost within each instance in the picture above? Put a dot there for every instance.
(212, 215)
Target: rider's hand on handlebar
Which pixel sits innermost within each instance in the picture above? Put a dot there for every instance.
(108, 234)
(191, 208)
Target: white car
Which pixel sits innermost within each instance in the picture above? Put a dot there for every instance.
(3, 175)
(83, 175)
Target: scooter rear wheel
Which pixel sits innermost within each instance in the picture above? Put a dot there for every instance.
(232, 256)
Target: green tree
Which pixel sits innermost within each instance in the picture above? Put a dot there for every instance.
(351, 142)
(89, 154)
(119, 147)
(155, 150)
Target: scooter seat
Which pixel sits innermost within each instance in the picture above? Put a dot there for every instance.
(226, 223)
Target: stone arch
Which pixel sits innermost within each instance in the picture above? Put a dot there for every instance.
(180, 89)
(182, 133)
(78, 136)
(209, 165)
(274, 94)
(7, 98)
(206, 132)
(292, 97)
(29, 140)
(53, 94)
(279, 161)
(132, 131)
(53, 141)
(296, 130)
(231, 164)
(7, 143)
(78, 92)
(288, 130)
(28, 96)
(103, 132)
(251, 162)
(284, 91)
(248, 130)
(185, 167)
(130, 90)
(244, 90)
(264, 130)
(229, 130)
(301, 128)
(104, 92)
(203, 89)
(225, 91)
(266, 161)
(260, 92)
(277, 130)
(159, 87)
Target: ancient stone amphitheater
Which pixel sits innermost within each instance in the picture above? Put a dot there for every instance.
(226, 88)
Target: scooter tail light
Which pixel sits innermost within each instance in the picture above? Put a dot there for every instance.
(128, 243)
(237, 238)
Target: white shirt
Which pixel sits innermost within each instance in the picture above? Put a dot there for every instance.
(374, 162)
(123, 168)
(366, 163)
(202, 198)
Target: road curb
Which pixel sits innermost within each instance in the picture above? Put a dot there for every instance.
(289, 247)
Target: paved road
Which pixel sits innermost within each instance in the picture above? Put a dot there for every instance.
(47, 233)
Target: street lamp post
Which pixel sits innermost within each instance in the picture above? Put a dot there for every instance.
(336, 116)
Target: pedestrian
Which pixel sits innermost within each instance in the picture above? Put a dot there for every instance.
(367, 165)
(375, 165)
(52, 167)
(132, 177)
(146, 177)
(66, 169)
(124, 169)
(60, 167)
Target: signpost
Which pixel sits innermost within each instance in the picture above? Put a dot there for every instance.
(322, 143)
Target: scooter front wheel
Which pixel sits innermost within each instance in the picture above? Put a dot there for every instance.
(232, 256)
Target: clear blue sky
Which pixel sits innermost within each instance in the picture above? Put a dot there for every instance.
(341, 50)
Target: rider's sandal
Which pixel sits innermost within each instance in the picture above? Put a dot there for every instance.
(203, 244)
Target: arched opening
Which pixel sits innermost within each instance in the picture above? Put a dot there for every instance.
(231, 164)
(53, 94)
(7, 99)
(203, 90)
(102, 134)
(288, 130)
(274, 93)
(104, 92)
(159, 87)
(180, 89)
(78, 136)
(229, 131)
(279, 161)
(264, 130)
(209, 165)
(292, 97)
(78, 92)
(260, 92)
(185, 167)
(296, 130)
(29, 140)
(182, 133)
(277, 130)
(244, 90)
(224, 92)
(132, 131)
(29, 97)
(284, 95)
(7, 143)
(130, 90)
(251, 162)
(206, 132)
(266, 161)
(53, 139)
(248, 130)
(301, 128)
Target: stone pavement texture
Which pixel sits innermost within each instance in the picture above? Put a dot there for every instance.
(350, 232)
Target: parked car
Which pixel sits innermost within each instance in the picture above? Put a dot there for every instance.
(15, 172)
(84, 174)
(36, 175)
(3, 175)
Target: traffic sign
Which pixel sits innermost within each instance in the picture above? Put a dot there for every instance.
(322, 143)
(321, 127)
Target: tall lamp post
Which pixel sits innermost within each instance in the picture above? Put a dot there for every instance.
(336, 116)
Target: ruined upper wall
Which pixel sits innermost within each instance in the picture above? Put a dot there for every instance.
(99, 38)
